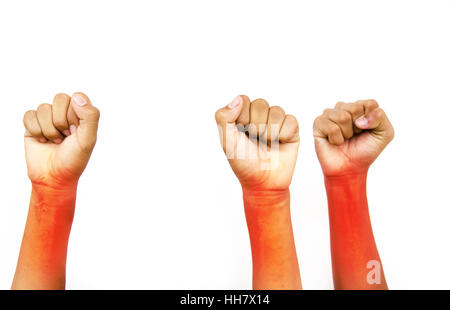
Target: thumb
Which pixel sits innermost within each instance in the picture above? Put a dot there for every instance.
(377, 121)
(226, 122)
(88, 116)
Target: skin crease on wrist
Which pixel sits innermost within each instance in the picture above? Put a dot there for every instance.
(272, 136)
(59, 140)
(348, 139)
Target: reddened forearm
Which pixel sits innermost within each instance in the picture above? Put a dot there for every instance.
(275, 264)
(42, 258)
(355, 259)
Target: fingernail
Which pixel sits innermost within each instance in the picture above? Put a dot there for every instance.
(79, 100)
(43, 140)
(235, 103)
(57, 140)
(66, 132)
(73, 128)
(362, 122)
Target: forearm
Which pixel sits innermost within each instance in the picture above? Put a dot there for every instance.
(275, 264)
(355, 260)
(42, 258)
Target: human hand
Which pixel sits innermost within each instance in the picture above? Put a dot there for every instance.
(350, 137)
(59, 139)
(261, 143)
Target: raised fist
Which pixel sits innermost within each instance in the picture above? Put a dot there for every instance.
(260, 142)
(350, 137)
(59, 139)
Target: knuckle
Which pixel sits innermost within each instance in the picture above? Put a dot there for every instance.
(343, 117)
(380, 111)
(356, 108)
(260, 103)
(326, 111)
(28, 115)
(62, 96)
(291, 118)
(339, 104)
(372, 102)
(334, 131)
(277, 110)
(44, 107)
(218, 115)
(245, 98)
(317, 121)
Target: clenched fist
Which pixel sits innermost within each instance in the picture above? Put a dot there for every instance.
(350, 137)
(59, 139)
(261, 143)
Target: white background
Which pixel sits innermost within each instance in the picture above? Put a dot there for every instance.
(158, 207)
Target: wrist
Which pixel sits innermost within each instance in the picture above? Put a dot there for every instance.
(346, 194)
(53, 187)
(59, 198)
(266, 198)
(344, 170)
(346, 180)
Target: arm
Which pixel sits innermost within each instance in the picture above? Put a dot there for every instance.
(354, 255)
(275, 264)
(348, 139)
(59, 140)
(261, 145)
(42, 258)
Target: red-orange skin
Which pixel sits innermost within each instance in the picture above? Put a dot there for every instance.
(275, 264)
(352, 241)
(42, 258)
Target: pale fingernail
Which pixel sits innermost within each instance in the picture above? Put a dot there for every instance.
(235, 103)
(362, 122)
(66, 132)
(57, 140)
(43, 140)
(79, 100)
(73, 128)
